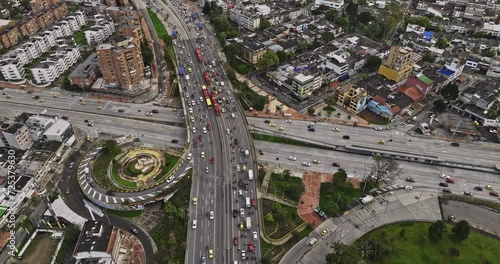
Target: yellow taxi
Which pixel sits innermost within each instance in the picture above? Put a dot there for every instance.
(316, 161)
(100, 101)
(489, 187)
(272, 125)
(83, 103)
(88, 138)
(242, 226)
(9, 96)
(211, 253)
(325, 232)
(336, 129)
(99, 108)
(281, 128)
(381, 142)
(41, 100)
(195, 201)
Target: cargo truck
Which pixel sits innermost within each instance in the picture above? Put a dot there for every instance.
(247, 202)
(250, 174)
(367, 199)
(249, 223)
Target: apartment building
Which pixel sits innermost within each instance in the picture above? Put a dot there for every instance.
(491, 29)
(101, 31)
(40, 5)
(252, 50)
(335, 4)
(121, 62)
(350, 97)
(247, 15)
(54, 65)
(85, 74)
(15, 136)
(304, 83)
(12, 69)
(398, 64)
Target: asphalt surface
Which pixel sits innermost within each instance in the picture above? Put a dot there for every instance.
(133, 121)
(426, 176)
(215, 191)
(478, 154)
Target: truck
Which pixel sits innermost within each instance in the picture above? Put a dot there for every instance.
(181, 71)
(247, 202)
(367, 199)
(174, 34)
(247, 153)
(248, 223)
(250, 174)
(200, 26)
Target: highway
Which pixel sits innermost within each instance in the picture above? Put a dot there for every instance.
(479, 154)
(150, 129)
(426, 176)
(216, 190)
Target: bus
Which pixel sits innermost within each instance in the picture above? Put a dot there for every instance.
(209, 103)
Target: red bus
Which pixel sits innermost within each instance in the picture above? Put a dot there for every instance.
(198, 53)
(216, 107)
(207, 78)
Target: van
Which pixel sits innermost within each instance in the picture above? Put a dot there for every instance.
(240, 192)
(247, 153)
(187, 77)
(247, 202)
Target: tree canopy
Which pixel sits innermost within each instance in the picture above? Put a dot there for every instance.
(268, 60)
(450, 92)
(384, 170)
(461, 230)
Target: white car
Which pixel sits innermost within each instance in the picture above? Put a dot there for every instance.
(238, 168)
(228, 131)
(233, 115)
(207, 170)
(170, 179)
(189, 156)
(292, 158)
(211, 215)
(194, 129)
(242, 212)
(243, 255)
(255, 236)
(312, 241)
(336, 129)
(193, 103)
(377, 128)
(307, 164)
(149, 114)
(201, 99)
(194, 224)
(190, 110)
(204, 130)
(443, 176)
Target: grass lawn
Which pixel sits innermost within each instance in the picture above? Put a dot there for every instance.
(80, 38)
(171, 160)
(125, 213)
(159, 28)
(344, 195)
(475, 249)
(100, 169)
(278, 139)
(284, 219)
(277, 187)
(121, 181)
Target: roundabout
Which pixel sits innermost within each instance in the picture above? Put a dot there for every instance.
(127, 175)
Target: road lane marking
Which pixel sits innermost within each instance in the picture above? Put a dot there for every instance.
(107, 200)
(93, 195)
(100, 197)
(132, 200)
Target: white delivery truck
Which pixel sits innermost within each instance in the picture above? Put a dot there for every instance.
(247, 153)
(367, 199)
(247, 202)
(249, 223)
(250, 174)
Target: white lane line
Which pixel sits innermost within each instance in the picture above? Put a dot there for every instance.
(107, 200)
(100, 197)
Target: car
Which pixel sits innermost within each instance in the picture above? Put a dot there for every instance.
(316, 161)
(244, 168)
(207, 170)
(200, 138)
(254, 202)
(83, 103)
(242, 212)
(201, 99)
(493, 193)
(336, 129)
(410, 179)
(242, 226)
(203, 259)
(194, 129)
(255, 236)
(211, 253)
(202, 154)
(455, 144)
(452, 217)
(228, 131)
(149, 113)
(493, 131)
(443, 176)
(450, 180)
(235, 213)
(311, 129)
(325, 232)
(489, 187)
(306, 164)
(272, 125)
(100, 101)
(446, 190)
(190, 110)
(443, 184)
(468, 193)
(335, 164)
(281, 128)
(288, 121)
(195, 201)
(170, 179)
(134, 230)
(36, 97)
(310, 124)
(233, 116)
(71, 165)
(211, 215)
(155, 111)
(67, 190)
(312, 241)
(346, 137)
(90, 124)
(212, 160)
(407, 188)
(209, 127)
(377, 128)
(192, 119)
(292, 158)
(121, 110)
(243, 255)
(235, 241)
(238, 168)
(204, 130)
(194, 224)
(174, 141)
(381, 142)
(250, 247)
(478, 188)
(189, 156)
(267, 121)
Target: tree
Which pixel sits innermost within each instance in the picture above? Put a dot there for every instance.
(343, 254)
(420, 20)
(450, 92)
(111, 147)
(365, 17)
(310, 110)
(351, 9)
(428, 57)
(282, 56)
(329, 100)
(439, 106)
(454, 252)
(442, 43)
(330, 207)
(461, 230)
(436, 230)
(268, 60)
(206, 8)
(147, 53)
(330, 15)
(160, 257)
(327, 36)
(373, 63)
(339, 178)
(234, 49)
(264, 23)
(384, 170)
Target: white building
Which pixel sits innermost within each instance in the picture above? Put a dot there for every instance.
(335, 4)
(491, 29)
(99, 33)
(494, 69)
(60, 131)
(38, 124)
(12, 69)
(16, 136)
(55, 65)
(248, 16)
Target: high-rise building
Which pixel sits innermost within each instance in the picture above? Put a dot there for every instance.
(121, 62)
(15, 136)
(398, 64)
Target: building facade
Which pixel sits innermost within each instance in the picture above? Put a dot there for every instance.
(398, 64)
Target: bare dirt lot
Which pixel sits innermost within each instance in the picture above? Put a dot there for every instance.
(39, 251)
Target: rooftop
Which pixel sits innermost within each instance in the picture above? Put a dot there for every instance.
(95, 236)
(82, 69)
